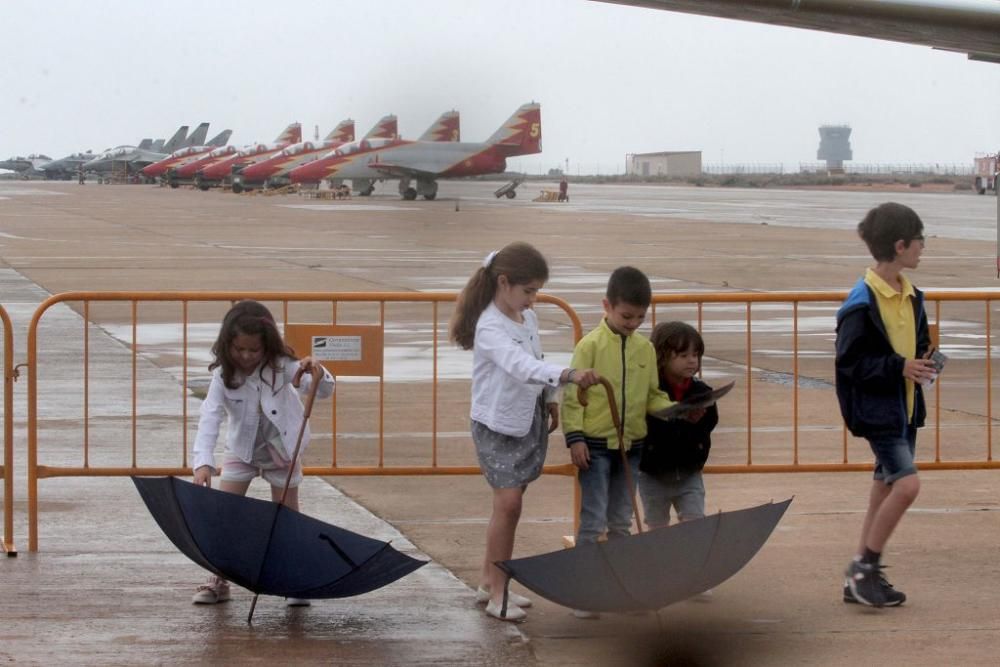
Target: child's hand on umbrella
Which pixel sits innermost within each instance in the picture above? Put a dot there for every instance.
(306, 365)
(582, 377)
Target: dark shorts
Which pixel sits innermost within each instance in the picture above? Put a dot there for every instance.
(894, 455)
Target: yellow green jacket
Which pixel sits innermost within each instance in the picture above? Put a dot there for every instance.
(627, 362)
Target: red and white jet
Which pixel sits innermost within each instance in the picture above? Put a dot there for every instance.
(185, 155)
(423, 161)
(219, 171)
(273, 170)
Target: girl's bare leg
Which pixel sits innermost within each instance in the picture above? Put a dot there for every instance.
(500, 538)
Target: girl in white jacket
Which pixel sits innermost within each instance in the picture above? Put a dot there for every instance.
(514, 407)
(254, 381)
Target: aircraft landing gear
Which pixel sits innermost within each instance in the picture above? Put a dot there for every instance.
(237, 187)
(427, 189)
(409, 194)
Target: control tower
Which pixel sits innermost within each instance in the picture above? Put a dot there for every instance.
(834, 146)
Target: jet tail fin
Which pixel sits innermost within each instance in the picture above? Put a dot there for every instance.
(522, 132)
(445, 128)
(343, 133)
(290, 135)
(386, 128)
(221, 139)
(197, 138)
(176, 141)
(146, 144)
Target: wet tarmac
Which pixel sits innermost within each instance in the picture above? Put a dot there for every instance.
(107, 588)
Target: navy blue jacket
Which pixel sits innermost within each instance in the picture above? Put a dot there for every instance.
(871, 388)
(677, 447)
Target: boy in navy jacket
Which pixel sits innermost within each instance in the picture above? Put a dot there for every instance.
(881, 367)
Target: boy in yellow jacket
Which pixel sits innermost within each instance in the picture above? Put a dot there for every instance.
(628, 361)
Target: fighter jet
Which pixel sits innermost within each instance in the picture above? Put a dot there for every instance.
(130, 159)
(274, 171)
(218, 172)
(184, 173)
(26, 167)
(965, 26)
(366, 161)
(67, 167)
(185, 155)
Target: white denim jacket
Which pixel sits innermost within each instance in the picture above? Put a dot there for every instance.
(281, 404)
(508, 373)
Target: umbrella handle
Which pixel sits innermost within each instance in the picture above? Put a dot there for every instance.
(317, 374)
(581, 395)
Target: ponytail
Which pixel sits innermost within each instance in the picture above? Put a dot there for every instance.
(520, 262)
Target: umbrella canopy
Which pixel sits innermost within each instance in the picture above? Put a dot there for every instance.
(266, 547)
(651, 570)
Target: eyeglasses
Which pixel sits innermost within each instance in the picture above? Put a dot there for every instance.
(919, 238)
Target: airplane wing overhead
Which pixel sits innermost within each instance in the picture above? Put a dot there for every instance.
(965, 26)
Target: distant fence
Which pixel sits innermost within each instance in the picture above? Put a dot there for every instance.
(928, 169)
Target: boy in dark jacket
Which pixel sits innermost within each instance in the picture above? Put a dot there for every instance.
(882, 345)
(675, 451)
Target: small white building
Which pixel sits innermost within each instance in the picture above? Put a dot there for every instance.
(666, 163)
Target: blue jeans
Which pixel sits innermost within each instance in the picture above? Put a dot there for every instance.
(661, 492)
(894, 455)
(606, 503)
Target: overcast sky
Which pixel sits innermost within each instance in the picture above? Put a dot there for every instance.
(611, 80)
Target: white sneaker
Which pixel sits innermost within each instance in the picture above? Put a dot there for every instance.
(297, 602)
(483, 596)
(582, 613)
(514, 613)
(213, 591)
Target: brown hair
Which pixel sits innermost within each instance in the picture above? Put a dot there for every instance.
(887, 223)
(519, 261)
(249, 318)
(671, 338)
(628, 284)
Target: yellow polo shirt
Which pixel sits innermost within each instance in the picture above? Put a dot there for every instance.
(896, 309)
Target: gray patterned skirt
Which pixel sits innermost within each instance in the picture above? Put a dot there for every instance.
(508, 462)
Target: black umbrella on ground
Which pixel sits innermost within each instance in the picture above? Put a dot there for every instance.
(266, 547)
(650, 570)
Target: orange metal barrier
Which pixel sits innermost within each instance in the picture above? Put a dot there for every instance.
(7, 470)
(782, 416)
(781, 354)
(121, 310)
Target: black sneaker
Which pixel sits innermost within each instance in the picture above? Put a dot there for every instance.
(893, 598)
(865, 583)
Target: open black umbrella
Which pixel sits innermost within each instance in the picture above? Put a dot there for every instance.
(266, 547)
(650, 570)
